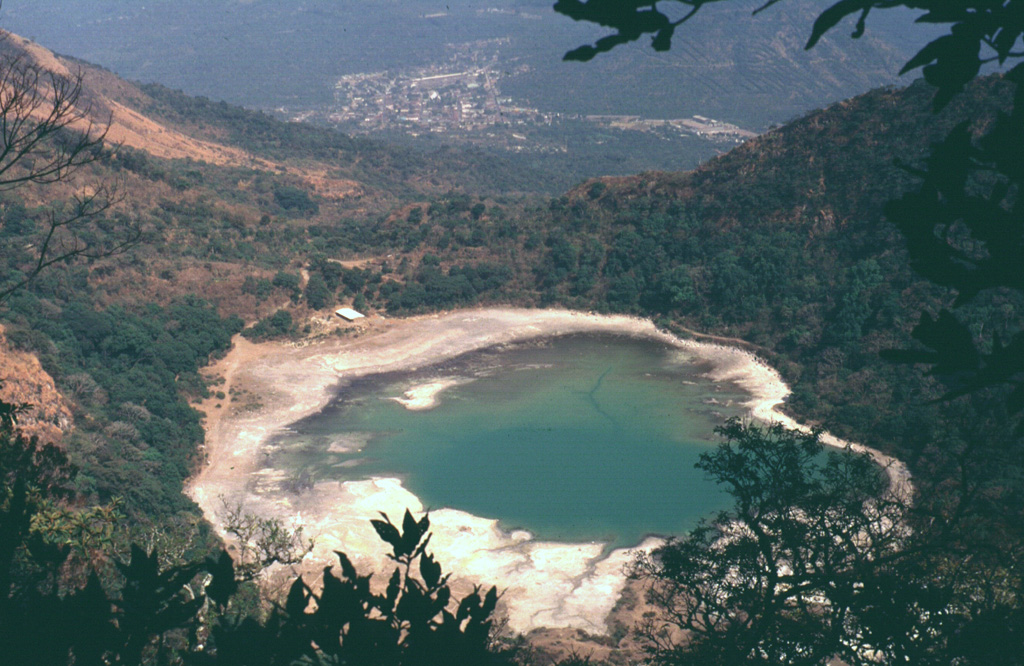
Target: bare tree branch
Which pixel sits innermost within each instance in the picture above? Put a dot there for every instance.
(47, 133)
(262, 542)
(64, 238)
(46, 129)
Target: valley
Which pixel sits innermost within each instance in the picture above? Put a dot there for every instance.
(329, 63)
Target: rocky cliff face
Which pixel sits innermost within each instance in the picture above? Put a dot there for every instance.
(23, 381)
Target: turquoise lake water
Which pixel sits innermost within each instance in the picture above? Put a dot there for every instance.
(581, 438)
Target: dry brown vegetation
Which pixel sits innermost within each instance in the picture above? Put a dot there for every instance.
(24, 382)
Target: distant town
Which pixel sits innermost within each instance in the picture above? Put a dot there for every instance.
(462, 98)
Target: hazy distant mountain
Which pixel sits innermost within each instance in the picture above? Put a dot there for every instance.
(267, 53)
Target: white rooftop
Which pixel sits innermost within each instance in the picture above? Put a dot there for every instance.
(349, 314)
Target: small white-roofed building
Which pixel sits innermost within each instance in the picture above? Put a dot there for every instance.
(348, 314)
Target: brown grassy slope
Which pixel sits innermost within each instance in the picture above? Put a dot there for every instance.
(107, 97)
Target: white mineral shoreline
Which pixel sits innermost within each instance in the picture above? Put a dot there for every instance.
(427, 396)
(546, 584)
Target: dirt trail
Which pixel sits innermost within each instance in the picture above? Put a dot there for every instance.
(724, 340)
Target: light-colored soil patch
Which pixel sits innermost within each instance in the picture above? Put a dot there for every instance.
(44, 57)
(547, 585)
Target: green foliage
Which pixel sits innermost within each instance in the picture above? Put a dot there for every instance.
(258, 287)
(276, 325)
(32, 474)
(434, 288)
(965, 230)
(318, 295)
(131, 373)
(410, 623)
(290, 282)
(295, 199)
(782, 576)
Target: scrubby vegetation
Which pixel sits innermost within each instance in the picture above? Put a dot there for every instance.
(130, 373)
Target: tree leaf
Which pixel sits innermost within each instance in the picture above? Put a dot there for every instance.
(490, 603)
(470, 602)
(223, 585)
(411, 533)
(829, 18)
(430, 570)
(347, 569)
(388, 532)
(298, 598)
(394, 585)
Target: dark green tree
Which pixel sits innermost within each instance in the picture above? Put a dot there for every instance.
(295, 199)
(318, 296)
(785, 575)
(276, 325)
(290, 282)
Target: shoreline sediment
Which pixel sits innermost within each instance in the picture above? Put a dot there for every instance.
(547, 584)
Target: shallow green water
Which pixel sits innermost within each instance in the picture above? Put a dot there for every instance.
(578, 439)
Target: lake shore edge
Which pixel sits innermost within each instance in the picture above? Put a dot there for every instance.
(548, 584)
